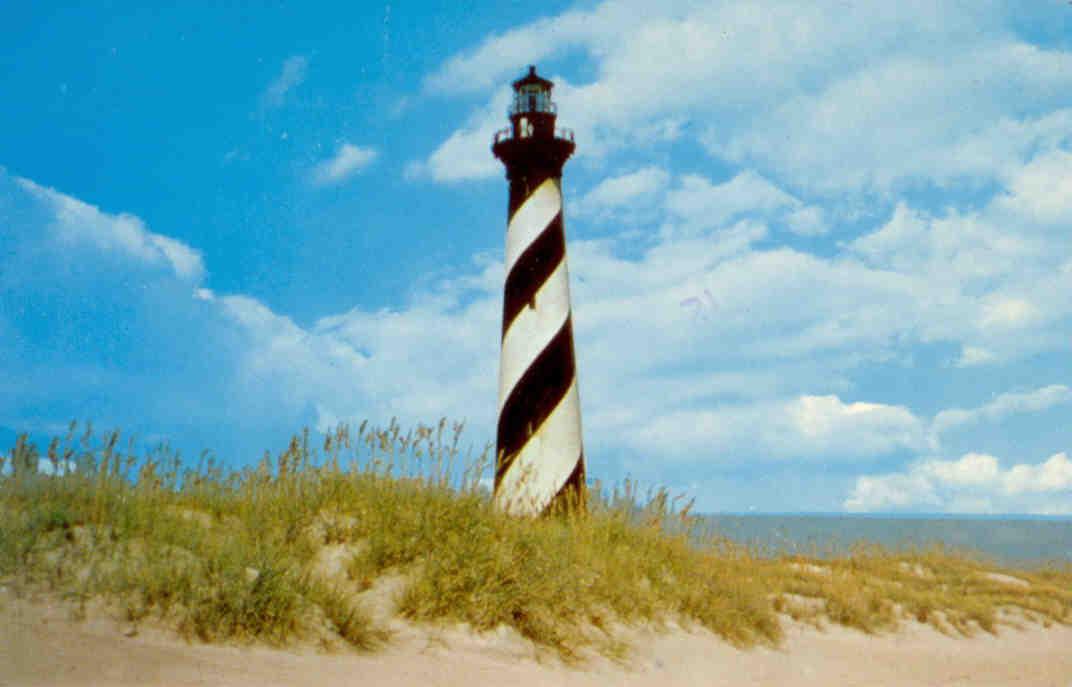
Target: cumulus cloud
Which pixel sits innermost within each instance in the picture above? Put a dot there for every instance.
(239, 373)
(990, 279)
(875, 97)
(503, 54)
(466, 154)
(624, 195)
(693, 205)
(102, 318)
(805, 428)
(1054, 475)
(696, 204)
(74, 222)
(807, 221)
(698, 198)
(973, 483)
(937, 122)
(1040, 191)
(290, 77)
(347, 161)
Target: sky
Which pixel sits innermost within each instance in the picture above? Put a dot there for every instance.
(820, 253)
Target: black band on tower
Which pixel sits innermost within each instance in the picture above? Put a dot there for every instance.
(536, 394)
(532, 269)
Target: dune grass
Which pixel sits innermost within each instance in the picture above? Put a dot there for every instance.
(294, 549)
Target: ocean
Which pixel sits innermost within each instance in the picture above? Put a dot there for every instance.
(1010, 540)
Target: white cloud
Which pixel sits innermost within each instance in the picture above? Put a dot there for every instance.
(892, 492)
(828, 416)
(76, 222)
(626, 194)
(876, 98)
(807, 221)
(696, 205)
(989, 279)
(939, 118)
(287, 365)
(1041, 192)
(61, 467)
(429, 360)
(971, 356)
(693, 205)
(805, 428)
(1054, 475)
(500, 56)
(741, 49)
(347, 161)
(1003, 312)
(1003, 406)
(958, 249)
(873, 96)
(973, 469)
(466, 154)
(974, 483)
(105, 320)
(291, 76)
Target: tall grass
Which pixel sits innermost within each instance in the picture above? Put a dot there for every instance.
(295, 547)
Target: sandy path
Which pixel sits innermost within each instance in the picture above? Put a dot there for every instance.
(40, 645)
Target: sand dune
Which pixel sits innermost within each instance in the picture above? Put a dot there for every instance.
(41, 645)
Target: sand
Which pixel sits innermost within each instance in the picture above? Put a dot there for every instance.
(41, 645)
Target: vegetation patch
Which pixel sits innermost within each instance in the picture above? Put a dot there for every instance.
(292, 550)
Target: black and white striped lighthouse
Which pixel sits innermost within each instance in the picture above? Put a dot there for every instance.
(539, 459)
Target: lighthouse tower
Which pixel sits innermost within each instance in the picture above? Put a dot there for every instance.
(539, 459)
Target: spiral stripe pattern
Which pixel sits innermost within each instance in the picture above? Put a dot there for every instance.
(540, 457)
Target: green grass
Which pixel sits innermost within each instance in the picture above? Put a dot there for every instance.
(294, 548)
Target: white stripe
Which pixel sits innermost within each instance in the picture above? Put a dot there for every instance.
(532, 329)
(531, 219)
(545, 462)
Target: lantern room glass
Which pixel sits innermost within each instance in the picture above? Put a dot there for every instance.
(532, 98)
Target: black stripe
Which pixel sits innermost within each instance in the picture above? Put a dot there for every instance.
(534, 397)
(572, 495)
(532, 269)
(523, 187)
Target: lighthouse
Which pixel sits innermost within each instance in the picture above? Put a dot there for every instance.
(539, 464)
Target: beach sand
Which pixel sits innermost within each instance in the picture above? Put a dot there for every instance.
(40, 644)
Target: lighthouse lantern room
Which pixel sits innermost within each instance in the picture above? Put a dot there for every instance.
(533, 112)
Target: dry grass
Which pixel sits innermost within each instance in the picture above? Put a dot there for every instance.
(873, 590)
(292, 550)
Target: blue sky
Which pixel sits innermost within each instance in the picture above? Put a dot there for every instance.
(820, 253)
